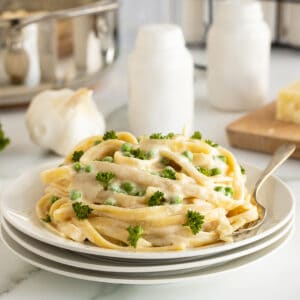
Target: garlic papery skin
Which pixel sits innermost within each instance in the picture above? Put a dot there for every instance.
(60, 119)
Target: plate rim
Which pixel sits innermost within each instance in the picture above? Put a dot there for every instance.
(135, 255)
(217, 270)
(208, 262)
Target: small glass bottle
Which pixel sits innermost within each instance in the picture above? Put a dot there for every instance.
(161, 87)
(238, 51)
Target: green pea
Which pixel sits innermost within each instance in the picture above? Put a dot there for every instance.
(110, 201)
(126, 147)
(128, 187)
(188, 154)
(108, 159)
(75, 194)
(77, 167)
(88, 169)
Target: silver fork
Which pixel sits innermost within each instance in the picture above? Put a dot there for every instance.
(278, 158)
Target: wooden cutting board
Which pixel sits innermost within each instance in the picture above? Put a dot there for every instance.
(260, 131)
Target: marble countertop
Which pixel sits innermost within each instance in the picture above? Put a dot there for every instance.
(276, 276)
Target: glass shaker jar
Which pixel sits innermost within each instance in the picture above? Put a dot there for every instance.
(238, 50)
(161, 86)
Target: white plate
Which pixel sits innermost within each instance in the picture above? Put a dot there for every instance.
(19, 200)
(105, 265)
(118, 278)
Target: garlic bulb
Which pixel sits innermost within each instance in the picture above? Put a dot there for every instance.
(59, 119)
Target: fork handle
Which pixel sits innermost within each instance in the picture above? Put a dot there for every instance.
(279, 157)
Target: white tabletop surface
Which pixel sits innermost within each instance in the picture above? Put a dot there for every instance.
(276, 276)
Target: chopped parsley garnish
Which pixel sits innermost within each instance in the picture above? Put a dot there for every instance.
(128, 151)
(110, 201)
(47, 219)
(226, 190)
(194, 220)
(75, 194)
(188, 154)
(134, 234)
(53, 199)
(196, 135)
(77, 155)
(140, 154)
(243, 171)
(97, 142)
(176, 200)
(110, 135)
(168, 172)
(108, 159)
(222, 158)
(4, 141)
(209, 172)
(88, 169)
(126, 147)
(105, 178)
(81, 211)
(77, 167)
(160, 136)
(156, 136)
(211, 143)
(170, 135)
(156, 199)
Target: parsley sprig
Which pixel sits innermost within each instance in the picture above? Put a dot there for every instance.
(243, 171)
(81, 211)
(110, 135)
(53, 199)
(97, 142)
(47, 219)
(105, 178)
(156, 199)
(211, 143)
(77, 155)
(141, 154)
(134, 234)
(160, 136)
(127, 150)
(4, 141)
(168, 172)
(196, 135)
(194, 220)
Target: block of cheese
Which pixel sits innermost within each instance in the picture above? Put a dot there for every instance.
(288, 103)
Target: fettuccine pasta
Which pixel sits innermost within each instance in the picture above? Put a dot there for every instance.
(158, 193)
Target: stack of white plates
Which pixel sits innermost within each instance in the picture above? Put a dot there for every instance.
(24, 234)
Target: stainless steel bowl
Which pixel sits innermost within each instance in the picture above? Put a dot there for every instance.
(54, 44)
